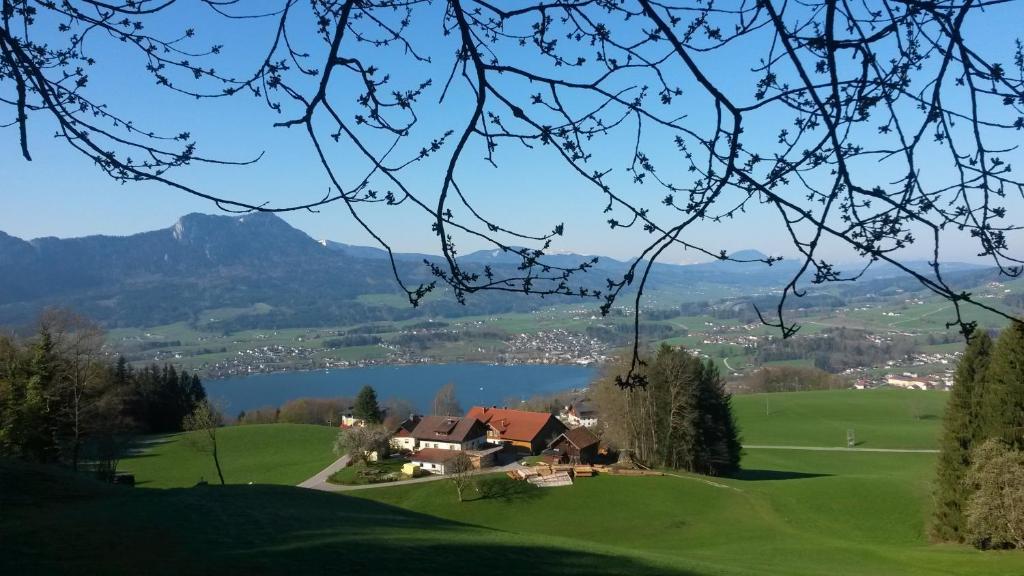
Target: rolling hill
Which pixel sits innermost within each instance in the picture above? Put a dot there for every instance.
(205, 262)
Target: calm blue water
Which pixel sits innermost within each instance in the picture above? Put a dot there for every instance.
(475, 384)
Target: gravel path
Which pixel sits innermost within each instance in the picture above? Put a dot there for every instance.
(319, 482)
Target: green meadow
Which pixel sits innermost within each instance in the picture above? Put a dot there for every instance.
(908, 419)
(260, 454)
(790, 512)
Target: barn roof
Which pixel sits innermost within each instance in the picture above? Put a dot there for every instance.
(580, 437)
(513, 424)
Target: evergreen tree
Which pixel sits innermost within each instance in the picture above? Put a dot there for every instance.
(1004, 410)
(37, 417)
(720, 450)
(366, 407)
(122, 371)
(963, 429)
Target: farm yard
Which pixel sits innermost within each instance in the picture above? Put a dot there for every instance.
(788, 511)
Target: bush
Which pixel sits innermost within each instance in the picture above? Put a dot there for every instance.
(995, 511)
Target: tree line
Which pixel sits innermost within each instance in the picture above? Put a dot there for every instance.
(64, 400)
(979, 488)
(787, 379)
(682, 419)
(835, 349)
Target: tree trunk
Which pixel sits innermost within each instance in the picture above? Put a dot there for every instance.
(216, 462)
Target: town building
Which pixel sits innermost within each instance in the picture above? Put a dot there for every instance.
(911, 382)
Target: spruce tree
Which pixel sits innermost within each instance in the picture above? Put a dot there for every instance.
(366, 407)
(718, 428)
(37, 416)
(963, 429)
(1004, 409)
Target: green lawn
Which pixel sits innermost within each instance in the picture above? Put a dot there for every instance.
(262, 454)
(879, 418)
(790, 512)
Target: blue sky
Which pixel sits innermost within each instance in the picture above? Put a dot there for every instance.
(61, 194)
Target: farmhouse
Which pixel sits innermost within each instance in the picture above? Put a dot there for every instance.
(522, 431)
(401, 436)
(449, 433)
(576, 446)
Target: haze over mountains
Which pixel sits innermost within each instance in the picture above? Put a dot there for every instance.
(208, 262)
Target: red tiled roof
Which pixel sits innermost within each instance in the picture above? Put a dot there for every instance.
(434, 455)
(513, 424)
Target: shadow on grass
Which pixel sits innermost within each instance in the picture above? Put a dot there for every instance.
(507, 490)
(753, 475)
(275, 530)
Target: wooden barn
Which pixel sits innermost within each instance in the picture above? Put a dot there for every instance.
(576, 446)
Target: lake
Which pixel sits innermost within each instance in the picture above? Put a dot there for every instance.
(475, 384)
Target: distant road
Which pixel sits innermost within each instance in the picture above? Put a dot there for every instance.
(840, 449)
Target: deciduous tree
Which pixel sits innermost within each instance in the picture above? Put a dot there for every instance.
(446, 403)
(203, 422)
(361, 442)
(459, 470)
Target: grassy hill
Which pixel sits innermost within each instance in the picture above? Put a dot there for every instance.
(790, 512)
(879, 418)
(261, 454)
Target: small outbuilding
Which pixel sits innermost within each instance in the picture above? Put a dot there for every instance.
(576, 446)
(434, 460)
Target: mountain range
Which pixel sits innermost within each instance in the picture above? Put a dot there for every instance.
(206, 262)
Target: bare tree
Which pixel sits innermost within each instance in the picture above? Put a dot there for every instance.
(445, 402)
(203, 422)
(81, 377)
(396, 411)
(867, 127)
(459, 470)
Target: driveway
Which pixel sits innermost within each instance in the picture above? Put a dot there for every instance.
(319, 482)
(320, 479)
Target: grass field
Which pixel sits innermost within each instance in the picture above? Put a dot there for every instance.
(790, 512)
(879, 418)
(262, 454)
